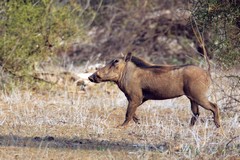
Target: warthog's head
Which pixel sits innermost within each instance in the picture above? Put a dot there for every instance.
(112, 71)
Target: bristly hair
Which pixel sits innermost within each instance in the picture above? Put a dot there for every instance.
(146, 65)
(140, 62)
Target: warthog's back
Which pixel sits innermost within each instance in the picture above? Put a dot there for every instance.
(172, 82)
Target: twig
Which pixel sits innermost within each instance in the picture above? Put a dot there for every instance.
(232, 140)
(233, 76)
(229, 96)
(200, 40)
(21, 76)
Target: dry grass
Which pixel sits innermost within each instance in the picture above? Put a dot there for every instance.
(72, 125)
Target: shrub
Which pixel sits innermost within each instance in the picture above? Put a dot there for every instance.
(33, 30)
(221, 21)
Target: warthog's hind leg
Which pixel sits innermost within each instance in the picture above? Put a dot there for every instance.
(212, 107)
(195, 111)
(216, 115)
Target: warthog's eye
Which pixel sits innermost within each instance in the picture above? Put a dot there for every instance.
(116, 61)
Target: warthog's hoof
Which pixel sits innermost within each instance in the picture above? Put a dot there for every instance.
(193, 120)
(136, 120)
(121, 126)
(217, 125)
(124, 125)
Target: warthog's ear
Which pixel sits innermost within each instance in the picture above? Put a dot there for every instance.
(128, 57)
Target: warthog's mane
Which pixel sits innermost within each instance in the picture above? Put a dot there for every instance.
(146, 65)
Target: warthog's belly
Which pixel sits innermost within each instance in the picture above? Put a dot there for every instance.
(161, 94)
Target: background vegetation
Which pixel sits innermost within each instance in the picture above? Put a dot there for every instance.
(220, 21)
(34, 31)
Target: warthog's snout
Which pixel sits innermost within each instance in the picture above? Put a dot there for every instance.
(91, 78)
(94, 78)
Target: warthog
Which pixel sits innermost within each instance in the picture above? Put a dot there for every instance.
(141, 81)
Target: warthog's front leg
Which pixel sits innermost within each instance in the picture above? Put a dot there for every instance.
(136, 119)
(132, 107)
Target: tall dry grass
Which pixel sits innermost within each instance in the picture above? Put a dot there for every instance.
(77, 125)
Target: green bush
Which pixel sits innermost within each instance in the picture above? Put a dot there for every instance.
(221, 21)
(33, 30)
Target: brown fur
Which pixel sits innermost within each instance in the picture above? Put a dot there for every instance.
(141, 81)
